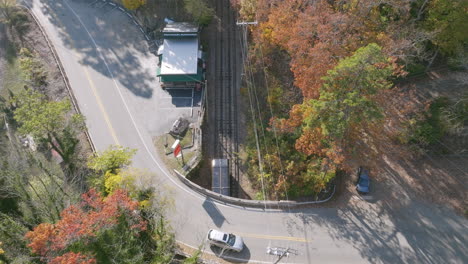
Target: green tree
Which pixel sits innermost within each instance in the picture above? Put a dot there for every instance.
(48, 122)
(448, 19)
(111, 159)
(347, 95)
(12, 16)
(133, 4)
(7, 9)
(200, 11)
(32, 68)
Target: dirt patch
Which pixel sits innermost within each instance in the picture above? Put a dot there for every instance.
(400, 172)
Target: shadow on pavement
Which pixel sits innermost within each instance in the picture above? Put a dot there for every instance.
(119, 41)
(232, 256)
(213, 211)
(415, 233)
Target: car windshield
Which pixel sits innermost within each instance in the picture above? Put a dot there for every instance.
(231, 240)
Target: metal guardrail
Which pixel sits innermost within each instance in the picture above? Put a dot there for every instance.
(62, 72)
(126, 12)
(282, 204)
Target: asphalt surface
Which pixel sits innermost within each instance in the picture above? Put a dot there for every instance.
(113, 77)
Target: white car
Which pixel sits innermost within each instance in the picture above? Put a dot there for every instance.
(225, 240)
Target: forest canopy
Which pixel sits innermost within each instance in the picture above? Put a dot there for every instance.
(329, 63)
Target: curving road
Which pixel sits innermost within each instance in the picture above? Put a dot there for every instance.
(113, 77)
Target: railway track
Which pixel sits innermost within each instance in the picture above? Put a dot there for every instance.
(224, 90)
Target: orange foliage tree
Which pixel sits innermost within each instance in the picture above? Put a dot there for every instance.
(73, 258)
(83, 222)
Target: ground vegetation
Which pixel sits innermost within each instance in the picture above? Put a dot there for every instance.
(339, 60)
(49, 210)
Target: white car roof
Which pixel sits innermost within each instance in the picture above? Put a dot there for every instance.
(218, 235)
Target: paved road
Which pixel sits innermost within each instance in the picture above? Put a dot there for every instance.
(112, 76)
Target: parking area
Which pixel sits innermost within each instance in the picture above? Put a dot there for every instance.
(180, 98)
(173, 103)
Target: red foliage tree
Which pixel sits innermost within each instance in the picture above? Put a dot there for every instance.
(73, 258)
(82, 221)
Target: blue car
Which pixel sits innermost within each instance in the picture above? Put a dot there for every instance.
(363, 184)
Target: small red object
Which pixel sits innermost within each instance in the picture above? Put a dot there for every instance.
(177, 150)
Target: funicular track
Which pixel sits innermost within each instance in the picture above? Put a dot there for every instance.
(225, 91)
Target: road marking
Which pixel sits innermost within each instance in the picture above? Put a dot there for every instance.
(101, 106)
(91, 83)
(179, 184)
(297, 239)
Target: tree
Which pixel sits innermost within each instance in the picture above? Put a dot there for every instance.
(73, 258)
(7, 8)
(122, 179)
(32, 68)
(111, 159)
(200, 11)
(448, 18)
(83, 225)
(133, 4)
(48, 122)
(15, 18)
(347, 100)
(11, 236)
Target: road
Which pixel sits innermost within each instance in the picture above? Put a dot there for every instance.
(112, 76)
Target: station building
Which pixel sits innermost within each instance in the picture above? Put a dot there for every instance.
(180, 57)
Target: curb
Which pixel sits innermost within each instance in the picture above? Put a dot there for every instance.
(62, 72)
(281, 204)
(131, 16)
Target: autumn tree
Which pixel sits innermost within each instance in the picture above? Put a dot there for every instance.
(73, 258)
(133, 4)
(347, 100)
(111, 159)
(48, 122)
(112, 225)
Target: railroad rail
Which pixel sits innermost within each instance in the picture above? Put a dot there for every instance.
(225, 92)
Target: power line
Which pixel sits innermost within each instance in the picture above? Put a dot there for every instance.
(260, 161)
(262, 130)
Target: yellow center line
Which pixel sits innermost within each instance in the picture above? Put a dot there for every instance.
(101, 107)
(91, 83)
(297, 239)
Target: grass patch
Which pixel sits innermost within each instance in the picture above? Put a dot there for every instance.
(163, 145)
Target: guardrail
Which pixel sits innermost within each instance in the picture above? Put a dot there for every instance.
(281, 204)
(125, 11)
(62, 73)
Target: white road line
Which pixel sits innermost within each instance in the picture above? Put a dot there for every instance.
(192, 193)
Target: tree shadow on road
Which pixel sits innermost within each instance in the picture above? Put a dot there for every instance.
(119, 41)
(414, 233)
